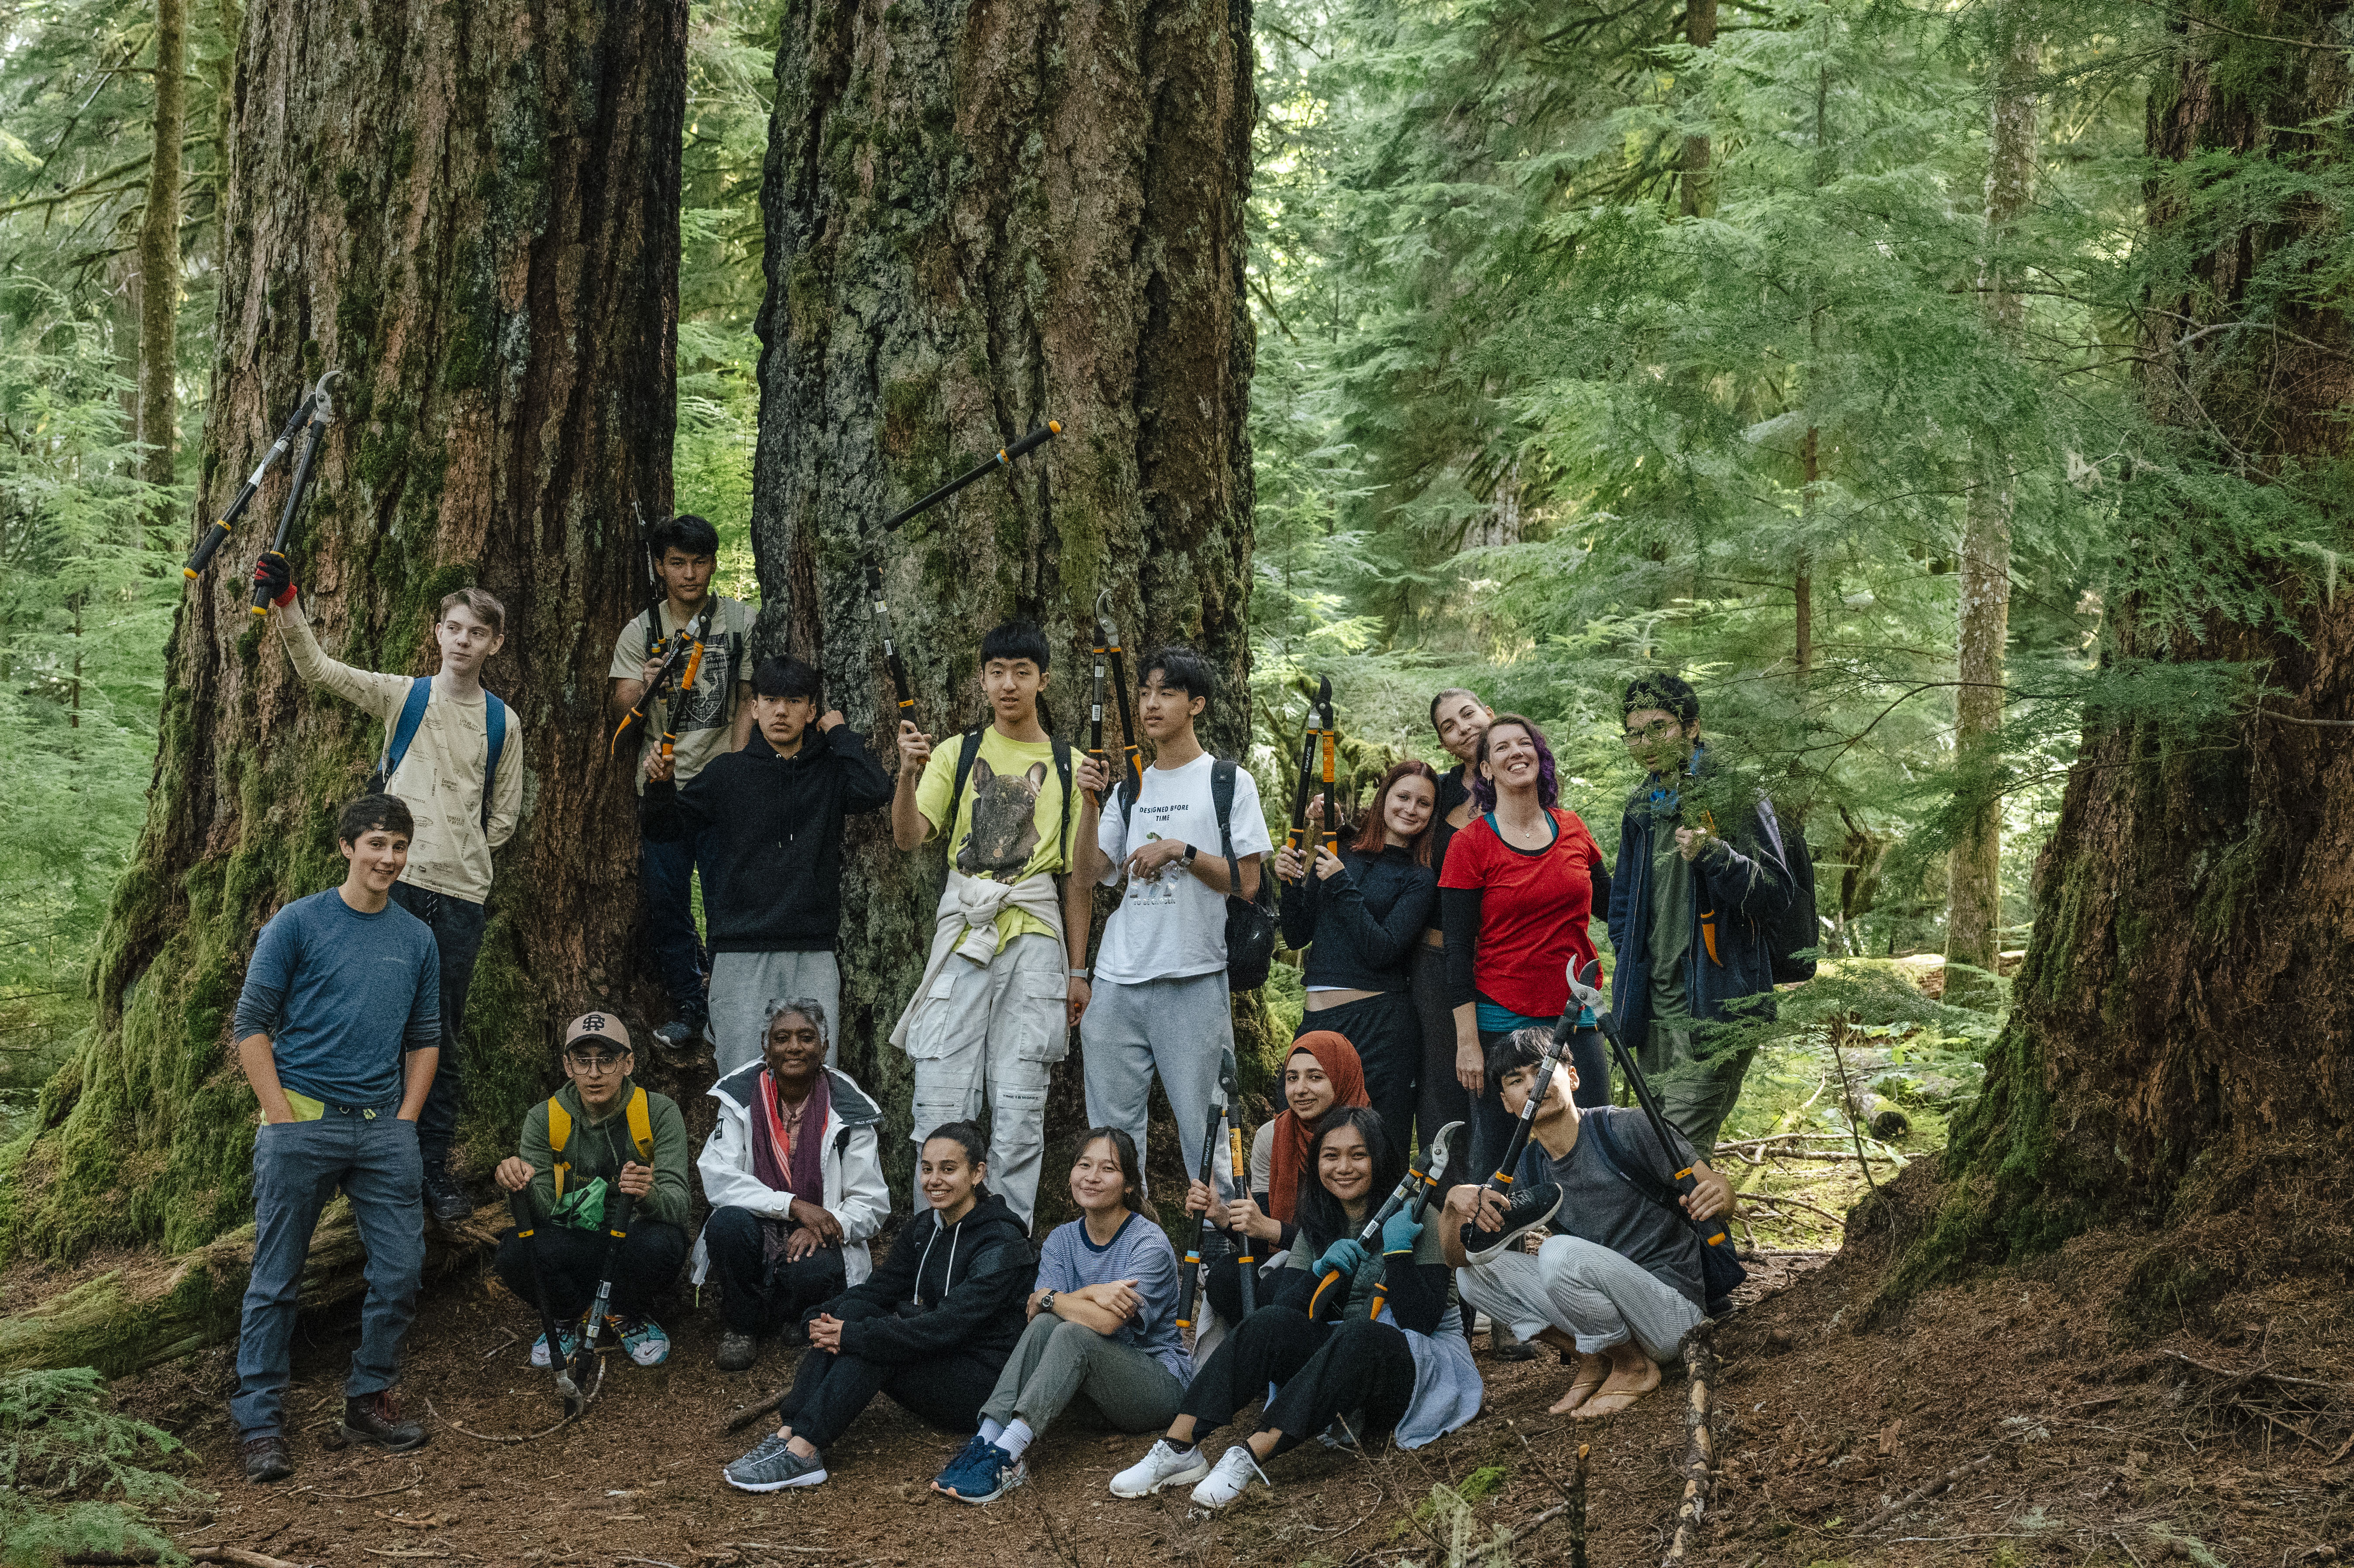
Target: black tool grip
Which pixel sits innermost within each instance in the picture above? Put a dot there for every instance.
(1033, 442)
(205, 552)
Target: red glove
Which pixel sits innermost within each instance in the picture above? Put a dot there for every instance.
(275, 574)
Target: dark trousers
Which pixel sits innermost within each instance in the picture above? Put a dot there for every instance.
(830, 1389)
(569, 1261)
(1323, 1371)
(457, 927)
(759, 1295)
(1388, 1038)
(1440, 1095)
(1492, 1128)
(666, 880)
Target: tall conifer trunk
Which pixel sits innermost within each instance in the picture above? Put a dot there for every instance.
(981, 216)
(473, 212)
(159, 244)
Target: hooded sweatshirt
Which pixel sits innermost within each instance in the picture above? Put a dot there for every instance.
(945, 1289)
(601, 1147)
(771, 832)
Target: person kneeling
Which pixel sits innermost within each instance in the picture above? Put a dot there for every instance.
(932, 1327)
(1618, 1276)
(795, 1180)
(600, 1139)
(1380, 1350)
(1103, 1323)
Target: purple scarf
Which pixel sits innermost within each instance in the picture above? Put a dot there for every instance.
(792, 1166)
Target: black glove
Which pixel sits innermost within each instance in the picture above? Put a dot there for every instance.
(274, 573)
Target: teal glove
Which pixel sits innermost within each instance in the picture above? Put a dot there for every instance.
(1402, 1230)
(1344, 1254)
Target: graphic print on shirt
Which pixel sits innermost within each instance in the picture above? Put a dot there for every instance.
(1005, 831)
(706, 707)
(1158, 820)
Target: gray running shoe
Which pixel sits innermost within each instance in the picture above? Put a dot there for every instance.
(772, 1467)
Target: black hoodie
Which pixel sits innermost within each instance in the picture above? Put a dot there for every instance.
(772, 862)
(944, 1289)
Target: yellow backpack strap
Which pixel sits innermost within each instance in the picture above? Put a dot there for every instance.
(641, 1127)
(559, 1133)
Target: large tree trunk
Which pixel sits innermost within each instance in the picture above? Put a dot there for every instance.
(475, 215)
(2178, 1048)
(1974, 870)
(159, 244)
(981, 216)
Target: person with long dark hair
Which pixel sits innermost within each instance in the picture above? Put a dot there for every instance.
(1390, 1363)
(1520, 884)
(1103, 1327)
(1360, 914)
(1443, 1088)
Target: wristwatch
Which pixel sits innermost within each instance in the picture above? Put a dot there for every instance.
(1046, 1302)
(1187, 858)
(1084, 971)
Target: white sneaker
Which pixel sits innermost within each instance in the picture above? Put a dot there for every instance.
(1164, 1466)
(1237, 1468)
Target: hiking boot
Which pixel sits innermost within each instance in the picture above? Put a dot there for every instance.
(983, 1473)
(644, 1339)
(1165, 1466)
(268, 1458)
(1507, 1346)
(1528, 1211)
(772, 1467)
(736, 1351)
(444, 1199)
(375, 1418)
(1237, 1468)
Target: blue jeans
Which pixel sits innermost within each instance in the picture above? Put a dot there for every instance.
(666, 880)
(297, 1167)
(457, 927)
(1491, 1124)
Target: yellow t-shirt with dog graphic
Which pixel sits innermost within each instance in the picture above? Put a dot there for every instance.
(1009, 823)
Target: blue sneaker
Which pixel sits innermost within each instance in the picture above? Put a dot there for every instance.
(539, 1347)
(645, 1342)
(982, 1472)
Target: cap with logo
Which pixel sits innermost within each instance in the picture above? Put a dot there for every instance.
(597, 1026)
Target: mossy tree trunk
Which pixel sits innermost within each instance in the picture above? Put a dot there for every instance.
(981, 216)
(473, 212)
(2177, 1047)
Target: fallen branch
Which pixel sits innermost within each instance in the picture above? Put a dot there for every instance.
(1958, 1473)
(238, 1556)
(416, 1474)
(1577, 1509)
(1700, 1447)
(563, 1422)
(744, 1417)
(1774, 1200)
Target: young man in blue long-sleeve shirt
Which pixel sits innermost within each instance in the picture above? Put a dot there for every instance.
(338, 1029)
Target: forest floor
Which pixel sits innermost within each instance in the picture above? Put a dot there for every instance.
(2106, 1447)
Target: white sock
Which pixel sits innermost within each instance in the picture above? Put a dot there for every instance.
(1016, 1436)
(989, 1430)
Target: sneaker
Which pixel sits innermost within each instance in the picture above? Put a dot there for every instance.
(1237, 1468)
(565, 1337)
(736, 1351)
(1529, 1210)
(268, 1458)
(680, 1034)
(644, 1339)
(444, 1199)
(375, 1418)
(982, 1472)
(1507, 1346)
(1164, 1466)
(772, 1467)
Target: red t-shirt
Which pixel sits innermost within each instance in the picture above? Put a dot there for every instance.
(1533, 907)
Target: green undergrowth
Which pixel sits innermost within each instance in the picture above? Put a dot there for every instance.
(76, 1479)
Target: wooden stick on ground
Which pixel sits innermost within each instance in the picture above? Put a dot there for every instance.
(1577, 1508)
(744, 1417)
(1700, 1446)
(1923, 1494)
(238, 1556)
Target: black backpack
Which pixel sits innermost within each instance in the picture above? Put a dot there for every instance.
(1796, 928)
(1721, 1270)
(1250, 922)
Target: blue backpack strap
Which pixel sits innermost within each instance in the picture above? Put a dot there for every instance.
(404, 729)
(495, 717)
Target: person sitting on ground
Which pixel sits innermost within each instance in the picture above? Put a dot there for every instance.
(1103, 1326)
(932, 1326)
(794, 1176)
(1387, 1360)
(1618, 1277)
(1321, 1072)
(601, 1137)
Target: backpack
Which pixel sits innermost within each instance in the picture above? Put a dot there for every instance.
(1721, 1271)
(969, 749)
(404, 730)
(1250, 922)
(1796, 929)
(559, 1133)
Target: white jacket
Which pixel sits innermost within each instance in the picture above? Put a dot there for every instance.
(856, 1193)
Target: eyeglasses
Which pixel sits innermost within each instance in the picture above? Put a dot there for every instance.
(599, 1063)
(1658, 729)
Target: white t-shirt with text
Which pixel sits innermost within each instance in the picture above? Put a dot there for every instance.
(1173, 926)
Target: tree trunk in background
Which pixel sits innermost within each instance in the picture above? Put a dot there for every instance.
(2177, 1049)
(474, 214)
(1974, 869)
(979, 217)
(159, 244)
(1691, 190)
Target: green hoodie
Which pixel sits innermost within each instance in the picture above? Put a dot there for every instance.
(600, 1149)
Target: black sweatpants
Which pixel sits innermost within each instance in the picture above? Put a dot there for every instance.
(1323, 1371)
(830, 1389)
(644, 1264)
(1440, 1097)
(759, 1295)
(1388, 1038)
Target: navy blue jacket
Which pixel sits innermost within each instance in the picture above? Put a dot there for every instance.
(1741, 878)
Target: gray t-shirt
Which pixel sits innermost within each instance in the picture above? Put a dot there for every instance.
(1139, 1251)
(1601, 1206)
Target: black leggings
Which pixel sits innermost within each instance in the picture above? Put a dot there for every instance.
(758, 1294)
(1388, 1040)
(830, 1389)
(644, 1264)
(1324, 1371)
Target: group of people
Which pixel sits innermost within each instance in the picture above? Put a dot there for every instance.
(1438, 944)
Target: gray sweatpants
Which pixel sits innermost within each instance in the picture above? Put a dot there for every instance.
(1056, 1360)
(1696, 1093)
(1599, 1296)
(742, 986)
(1182, 1029)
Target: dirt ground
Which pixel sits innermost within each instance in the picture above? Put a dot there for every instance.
(2202, 1449)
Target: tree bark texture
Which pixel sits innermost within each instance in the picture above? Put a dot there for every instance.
(159, 245)
(1691, 189)
(472, 211)
(981, 216)
(2177, 1047)
(1974, 868)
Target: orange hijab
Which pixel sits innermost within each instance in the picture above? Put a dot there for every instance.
(1292, 1135)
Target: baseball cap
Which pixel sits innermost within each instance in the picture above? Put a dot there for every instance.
(600, 1027)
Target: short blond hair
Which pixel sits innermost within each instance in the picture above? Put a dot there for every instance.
(483, 602)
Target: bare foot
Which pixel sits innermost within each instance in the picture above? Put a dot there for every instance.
(1627, 1382)
(1591, 1372)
